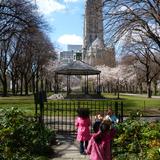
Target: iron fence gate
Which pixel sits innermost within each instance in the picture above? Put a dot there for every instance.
(60, 115)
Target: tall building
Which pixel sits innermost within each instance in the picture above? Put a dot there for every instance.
(73, 53)
(94, 50)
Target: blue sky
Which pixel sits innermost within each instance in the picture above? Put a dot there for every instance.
(65, 19)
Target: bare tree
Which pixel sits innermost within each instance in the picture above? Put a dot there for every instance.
(18, 23)
(38, 50)
(125, 16)
(145, 63)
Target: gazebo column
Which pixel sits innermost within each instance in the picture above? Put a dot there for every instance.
(87, 84)
(98, 83)
(67, 84)
(85, 90)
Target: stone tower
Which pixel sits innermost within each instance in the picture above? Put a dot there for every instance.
(94, 51)
(93, 22)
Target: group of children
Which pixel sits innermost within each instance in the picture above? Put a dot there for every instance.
(97, 145)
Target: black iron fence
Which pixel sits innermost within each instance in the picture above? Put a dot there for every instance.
(60, 115)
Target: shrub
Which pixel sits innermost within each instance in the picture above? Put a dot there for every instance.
(20, 137)
(138, 138)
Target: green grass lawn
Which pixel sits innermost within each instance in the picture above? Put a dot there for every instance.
(131, 103)
(135, 102)
(24, 103)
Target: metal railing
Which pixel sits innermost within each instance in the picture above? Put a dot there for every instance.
(60, 115)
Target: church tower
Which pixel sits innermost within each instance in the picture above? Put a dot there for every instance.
(94, 49)
(93, 22)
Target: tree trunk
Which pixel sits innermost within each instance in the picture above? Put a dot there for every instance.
(26, 85)
(33, 84)
(155, 87)
(140, 88)
(13, 86)
(51, 87)
(21, 90)
(112, 90)
(37, 80)
(149, 91)
(118, 93)
(17, 87)
(5, 91)
(30, 87)
(136, 89)
(42, 85)
(46, 88)
(133, 89)
(127, 88)
(117, 89)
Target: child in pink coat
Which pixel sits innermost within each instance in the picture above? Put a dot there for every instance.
(99, 147)
(82, 124)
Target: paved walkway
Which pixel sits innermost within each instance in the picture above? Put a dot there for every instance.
(140, 95)
(67, 148)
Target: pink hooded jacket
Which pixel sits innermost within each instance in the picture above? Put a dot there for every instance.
(83, 133)
(101, 150)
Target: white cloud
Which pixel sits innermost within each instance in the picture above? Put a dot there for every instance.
(70, 39)
(49, 6)
(123, 8)
(70, 1)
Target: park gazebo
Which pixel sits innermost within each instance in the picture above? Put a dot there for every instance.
(77, 67)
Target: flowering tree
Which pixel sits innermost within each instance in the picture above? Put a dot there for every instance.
(112, 78)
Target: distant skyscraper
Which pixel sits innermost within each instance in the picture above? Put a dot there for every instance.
(94, 51)
(75, 48)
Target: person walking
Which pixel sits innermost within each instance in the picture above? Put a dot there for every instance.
(99, 147)
(82, 124)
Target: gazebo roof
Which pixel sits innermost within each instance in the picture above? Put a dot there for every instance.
(77, 68)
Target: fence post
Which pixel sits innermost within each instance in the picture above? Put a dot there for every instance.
(121, 111)
(36, 104)
(41, 103)
(116, 109)
(78, 105)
